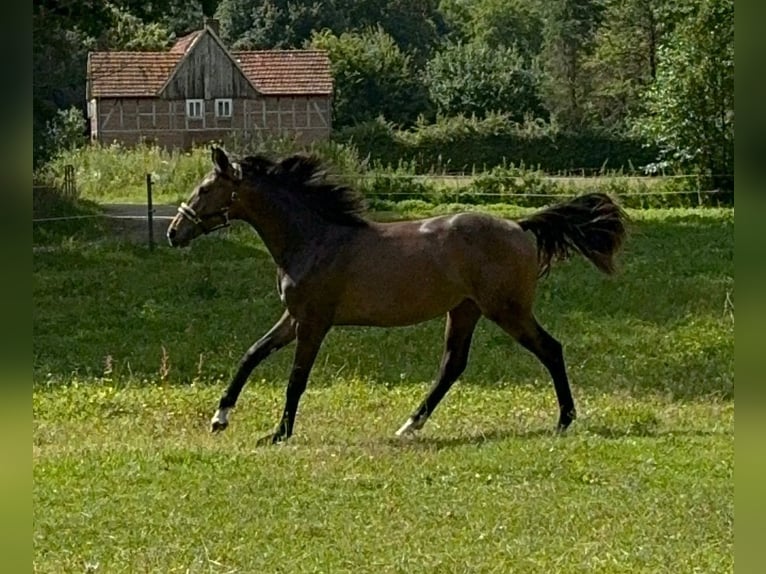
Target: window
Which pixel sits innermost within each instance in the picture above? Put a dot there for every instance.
(195, 108)
(223, 108)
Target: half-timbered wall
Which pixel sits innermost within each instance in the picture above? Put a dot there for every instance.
(166, 123)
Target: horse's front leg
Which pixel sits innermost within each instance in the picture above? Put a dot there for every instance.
(281, 334)
(310, 337)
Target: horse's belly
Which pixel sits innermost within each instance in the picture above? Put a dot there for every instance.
(399, 303)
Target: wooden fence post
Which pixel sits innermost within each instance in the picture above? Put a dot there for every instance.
(150, 210)
(70, 189)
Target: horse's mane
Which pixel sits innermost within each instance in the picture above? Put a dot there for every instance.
(305, 177)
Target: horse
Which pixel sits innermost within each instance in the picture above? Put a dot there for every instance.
(336, 266)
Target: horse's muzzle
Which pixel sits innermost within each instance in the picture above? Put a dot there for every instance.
(179, 234)
(171, 234)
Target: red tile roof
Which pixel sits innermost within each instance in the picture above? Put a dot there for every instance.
(129, 74)
(283, 72)
(271, 72)
(185, 42)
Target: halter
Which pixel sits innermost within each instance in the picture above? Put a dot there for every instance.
(199, 220)
(192, 216)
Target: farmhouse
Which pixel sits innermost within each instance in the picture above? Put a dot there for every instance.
(200, 91)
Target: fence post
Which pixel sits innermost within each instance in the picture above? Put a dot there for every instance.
(150, 210)
(69, 184)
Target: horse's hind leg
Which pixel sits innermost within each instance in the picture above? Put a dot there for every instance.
(281, 334)
(461, 322)
(528, 332)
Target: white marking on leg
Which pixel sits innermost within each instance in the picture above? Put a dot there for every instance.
(408, 427)
(221, 417)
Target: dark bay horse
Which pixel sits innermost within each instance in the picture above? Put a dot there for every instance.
(337, 267)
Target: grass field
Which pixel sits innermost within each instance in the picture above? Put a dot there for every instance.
(132, 349)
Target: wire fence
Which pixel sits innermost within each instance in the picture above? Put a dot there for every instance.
(68, 191)
(151, 213)
(146, 211)
(542, 175)
(99, 216)
(564, 194)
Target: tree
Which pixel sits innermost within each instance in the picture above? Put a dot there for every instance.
(180, 18)
(235, 17)
(625, 57)
(373, 77)
(416, 27)
(690, 106)
(497, 23)
(62, 34)
(568, 40)
(129, 32)
(624, 61)
(476, 79)
(266, 24)
(66, 130)
(256, 24)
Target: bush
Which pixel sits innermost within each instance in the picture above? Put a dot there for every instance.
(372, 76)
(475, 78)
(529, 188)
(464, 144)
(65, 131)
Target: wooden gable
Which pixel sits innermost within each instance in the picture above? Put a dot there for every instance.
(207, 71)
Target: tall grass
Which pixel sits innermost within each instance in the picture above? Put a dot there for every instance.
(115, 173)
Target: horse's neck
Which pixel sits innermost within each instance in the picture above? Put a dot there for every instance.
(289, 233)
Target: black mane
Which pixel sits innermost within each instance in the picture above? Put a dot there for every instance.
(305, 177)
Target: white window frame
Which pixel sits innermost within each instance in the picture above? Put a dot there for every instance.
(193, 106)
(223, 108)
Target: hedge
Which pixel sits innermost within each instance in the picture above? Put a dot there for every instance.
(466, 145)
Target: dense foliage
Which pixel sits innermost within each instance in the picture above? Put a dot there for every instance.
(373, 77)
(653, 73)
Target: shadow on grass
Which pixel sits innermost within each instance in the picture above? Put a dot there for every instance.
(499, 435)
(57, 218)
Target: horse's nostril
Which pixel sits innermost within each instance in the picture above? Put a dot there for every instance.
(171, 233)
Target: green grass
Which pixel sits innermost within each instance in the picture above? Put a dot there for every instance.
(132, 349)
(129, 479)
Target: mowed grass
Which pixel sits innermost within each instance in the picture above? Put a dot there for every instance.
(132, 350)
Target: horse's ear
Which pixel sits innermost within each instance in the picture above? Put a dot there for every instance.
(220, 160)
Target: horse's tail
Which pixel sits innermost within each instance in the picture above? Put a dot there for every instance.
(591, 224)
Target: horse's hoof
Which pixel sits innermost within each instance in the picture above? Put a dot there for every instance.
(220, 420)
(218, 426)
(270, 439)
(563, 427)
(410, 427)
(565, 420)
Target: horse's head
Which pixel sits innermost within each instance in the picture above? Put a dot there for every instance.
(207, 209)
